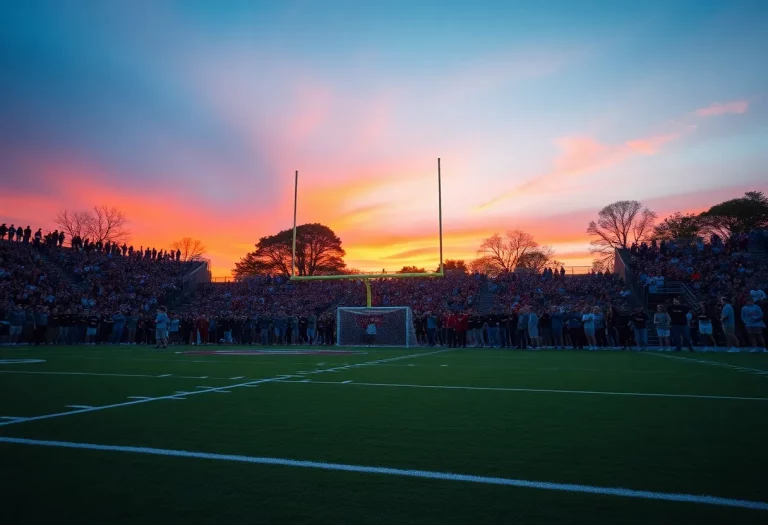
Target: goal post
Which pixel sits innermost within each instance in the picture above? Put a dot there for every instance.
(376, 326)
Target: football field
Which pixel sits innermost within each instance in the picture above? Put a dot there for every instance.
(424, 435)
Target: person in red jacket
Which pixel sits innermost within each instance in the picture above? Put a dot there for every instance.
(202, 329)
(462, 324)
(451, 323)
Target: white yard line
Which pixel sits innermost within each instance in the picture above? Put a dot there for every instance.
(408, 473)
(217, 389)
(531, 390)
(720, 364)
(103, 374)
(97, 374)
(79, 406)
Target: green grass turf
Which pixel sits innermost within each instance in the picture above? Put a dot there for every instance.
(664, 444)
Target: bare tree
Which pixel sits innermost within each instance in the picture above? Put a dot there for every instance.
(537, 259)
(102, 224)
(108, 224)
(503, 254)
(618, 225)
(191, 249)
(484, 265)
(74, 223)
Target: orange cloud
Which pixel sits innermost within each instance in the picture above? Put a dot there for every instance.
(723, 108)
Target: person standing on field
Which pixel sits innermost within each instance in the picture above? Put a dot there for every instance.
(161, 328)
(679, 325)
(662, 321)
(728, 319)
(752, 315)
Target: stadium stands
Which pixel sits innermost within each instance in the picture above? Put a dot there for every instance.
(116, 289)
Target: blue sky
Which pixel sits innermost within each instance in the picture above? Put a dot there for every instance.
(196, 114)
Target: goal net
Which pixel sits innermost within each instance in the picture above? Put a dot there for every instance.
(376, 326)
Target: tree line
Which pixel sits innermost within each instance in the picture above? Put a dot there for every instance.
(319, 250)
(623, 223)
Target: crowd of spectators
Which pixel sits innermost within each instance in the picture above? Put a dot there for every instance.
(717, 272)
(97, 292)
(44, 284)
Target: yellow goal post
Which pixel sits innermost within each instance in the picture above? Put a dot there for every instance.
(366, 277)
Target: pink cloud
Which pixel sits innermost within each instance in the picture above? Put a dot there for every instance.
(581, 156)
(651, 145)
(723, 108)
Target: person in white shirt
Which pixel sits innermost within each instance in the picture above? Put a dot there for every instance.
(589, 329)
(370, 333)
(161, 327)
(752, 316)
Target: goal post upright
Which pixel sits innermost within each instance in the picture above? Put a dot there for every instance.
(440, 213)
(368, 276)
(295, 202)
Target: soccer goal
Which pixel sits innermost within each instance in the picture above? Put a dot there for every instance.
(377, 326)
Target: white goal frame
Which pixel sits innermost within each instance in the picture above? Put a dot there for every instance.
(410, 331)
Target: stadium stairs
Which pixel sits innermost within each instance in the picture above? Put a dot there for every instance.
(487, 299)
(758, 249)
(76, 282)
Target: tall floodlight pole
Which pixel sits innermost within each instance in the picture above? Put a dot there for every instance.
(440, 211)
(295, 201)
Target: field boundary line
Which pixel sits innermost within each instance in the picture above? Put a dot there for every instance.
(410, 473)
(531, 390)
(720, 364)
(105, 374)
(216, 389)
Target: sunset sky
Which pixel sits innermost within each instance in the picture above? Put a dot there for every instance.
(193, 116)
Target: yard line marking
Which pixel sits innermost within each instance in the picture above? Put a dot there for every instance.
(535, 390)
(138, 397)
(758, 371)
(409, 473)
(347, 381)
(182, 392)
(99, 374)
(12, 417)
(73, 373)
(79, 406)
(238, 377)
(227, 387)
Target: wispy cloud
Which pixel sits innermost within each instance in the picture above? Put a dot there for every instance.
(736, 107)
(580, 156)
(409, 254)
(651, 145)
